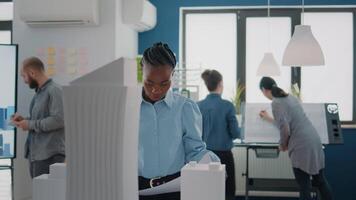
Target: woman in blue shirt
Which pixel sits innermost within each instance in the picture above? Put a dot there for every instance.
(220, 126)
(170, 125)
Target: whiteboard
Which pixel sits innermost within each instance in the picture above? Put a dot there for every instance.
(256, 130)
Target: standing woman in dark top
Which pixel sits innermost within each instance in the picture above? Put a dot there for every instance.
(220, 126)
(299, 137)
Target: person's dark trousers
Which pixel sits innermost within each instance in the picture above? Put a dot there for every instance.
(305, 184)
(168, 196)
(227, 158)
(40, 167)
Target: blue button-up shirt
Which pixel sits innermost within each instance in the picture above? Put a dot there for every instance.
(169, 136)
(220, 125)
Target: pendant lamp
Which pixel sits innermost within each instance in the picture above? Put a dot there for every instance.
(268, 65)
(303, 49)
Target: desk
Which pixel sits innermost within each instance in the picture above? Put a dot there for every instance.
(265, 151)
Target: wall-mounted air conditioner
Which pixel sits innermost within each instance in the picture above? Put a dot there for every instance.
(59, 12)
(141, 15)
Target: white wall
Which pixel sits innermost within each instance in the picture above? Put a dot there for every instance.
(126, 39)
(104, 43)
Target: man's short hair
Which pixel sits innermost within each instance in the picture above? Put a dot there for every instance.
(34, 63)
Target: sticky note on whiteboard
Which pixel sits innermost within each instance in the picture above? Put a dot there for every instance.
(51, 71)
(51, 51)
(51, 60)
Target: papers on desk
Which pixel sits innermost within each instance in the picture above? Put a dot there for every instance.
(171, 186)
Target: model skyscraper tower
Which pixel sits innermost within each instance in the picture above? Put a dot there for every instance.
(101, 112)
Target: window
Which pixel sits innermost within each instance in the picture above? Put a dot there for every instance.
(5, 37)
(334, 32)
(6, 15)
(207, 42)
(258, 34)
(6, 11)
(211, 44)
(257, 43)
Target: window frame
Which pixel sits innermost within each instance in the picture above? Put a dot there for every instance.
(6, 25)
(210, 11)
(352, 123)
(203, 11)
(244, 14)
(293, 12)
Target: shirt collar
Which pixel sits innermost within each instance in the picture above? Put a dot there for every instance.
(168, 99)
(44, 85)
(213, 95)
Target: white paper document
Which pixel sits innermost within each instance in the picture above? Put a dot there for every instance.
(171, 186)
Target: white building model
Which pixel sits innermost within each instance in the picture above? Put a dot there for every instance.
(101, 125)
(51, 186)
(203, 181)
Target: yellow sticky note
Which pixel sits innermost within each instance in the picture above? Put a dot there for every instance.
(51, 71)
(51, 51)
(51, 60)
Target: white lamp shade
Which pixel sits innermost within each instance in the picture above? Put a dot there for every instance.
(268, 66)
(303, 49)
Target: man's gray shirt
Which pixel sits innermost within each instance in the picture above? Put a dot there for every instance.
(46, 124)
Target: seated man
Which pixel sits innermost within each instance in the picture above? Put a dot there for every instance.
(170, 125)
